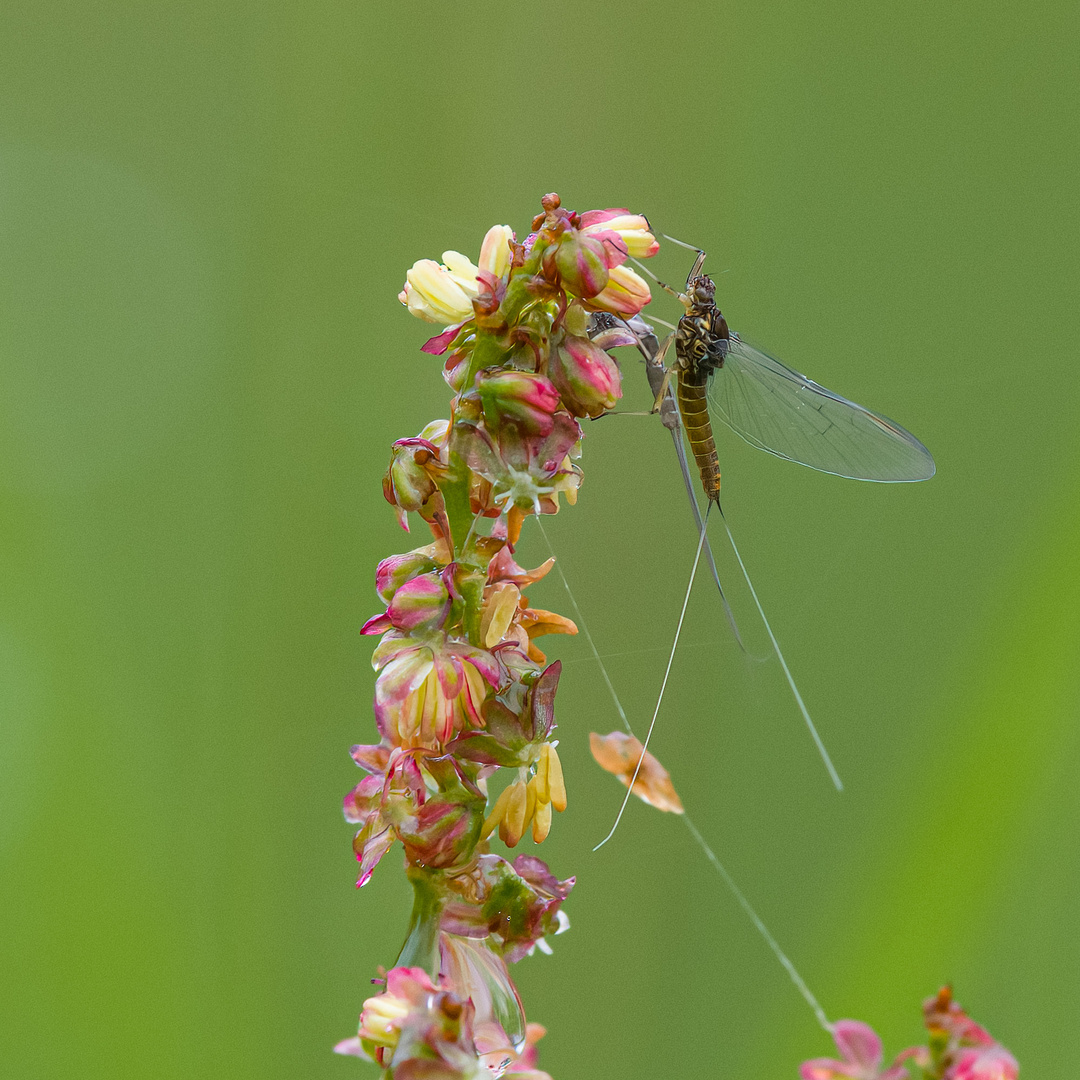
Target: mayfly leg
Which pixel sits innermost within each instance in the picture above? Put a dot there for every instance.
(649, 347)
(699, 839)
(699, 262)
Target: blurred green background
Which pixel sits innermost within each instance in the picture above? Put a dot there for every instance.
(206, 212)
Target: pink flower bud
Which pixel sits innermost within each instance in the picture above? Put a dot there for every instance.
(626, 293)
(420, 604)
(409, 995)
(993, 1063)
(443, 832)
(395, 570)
(519, 397)
(633, 230)
(581, 263)
(586, 377)
(860, 1057)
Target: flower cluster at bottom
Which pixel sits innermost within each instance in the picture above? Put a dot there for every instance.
(957, 1049)
(434, 1032)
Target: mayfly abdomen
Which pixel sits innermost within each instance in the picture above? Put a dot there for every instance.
(694, 408)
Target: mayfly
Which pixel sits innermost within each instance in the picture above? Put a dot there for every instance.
(770, 406)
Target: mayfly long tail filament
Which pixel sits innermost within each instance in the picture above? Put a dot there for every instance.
(834, 775)
(700, 840)
(663, 685)
(762, 929)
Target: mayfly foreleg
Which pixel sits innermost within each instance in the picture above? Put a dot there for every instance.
(668, 372)
(699, 262)
(681, 297)
(649, 346)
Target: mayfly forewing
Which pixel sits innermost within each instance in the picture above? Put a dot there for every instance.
(776, 409)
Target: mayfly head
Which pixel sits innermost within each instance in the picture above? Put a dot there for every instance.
(702, 292)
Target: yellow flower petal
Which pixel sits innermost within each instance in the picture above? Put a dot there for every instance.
(434, 295)
(495, 817)
(543, 774)
(499, 610)
(542, 822)
(556, 784)
(464, 272)
(513, 823)
(530, 802)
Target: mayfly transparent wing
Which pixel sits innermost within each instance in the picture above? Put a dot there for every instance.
(776, 409)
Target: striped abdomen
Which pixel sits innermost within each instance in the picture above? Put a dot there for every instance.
(695, 416)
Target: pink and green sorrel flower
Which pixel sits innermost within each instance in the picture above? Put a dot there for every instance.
(463, 694)
(957, 1049)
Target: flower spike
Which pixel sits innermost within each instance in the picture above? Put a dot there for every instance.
(461, 688)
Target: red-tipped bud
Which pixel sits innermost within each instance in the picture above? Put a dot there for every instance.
(420, 604)
(586, 377)
(626, 293)
(395, 570)
(581, 263)
(444, 831)
(633, 230)
(518, 397)
(495, 250)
